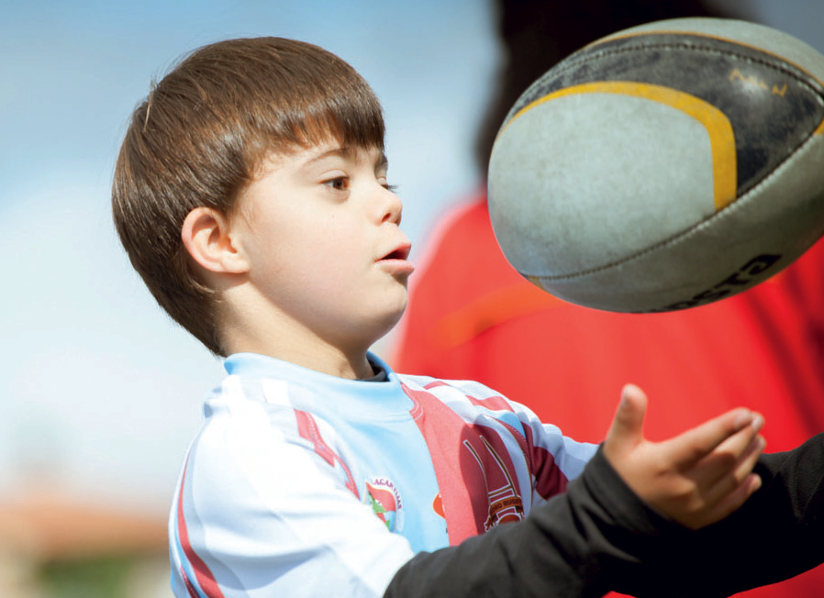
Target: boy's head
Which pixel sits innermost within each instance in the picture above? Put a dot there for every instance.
(202, 135)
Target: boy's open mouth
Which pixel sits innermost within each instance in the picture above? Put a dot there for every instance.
(396, 262)
(400, 253)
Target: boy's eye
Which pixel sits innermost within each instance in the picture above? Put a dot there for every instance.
(385, 184)
(338, 183)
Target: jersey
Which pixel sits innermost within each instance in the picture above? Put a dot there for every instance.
(299, 481)
(302, 484)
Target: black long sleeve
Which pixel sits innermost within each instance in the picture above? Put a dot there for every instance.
(776, 535)
(599, 537)
(581, 543)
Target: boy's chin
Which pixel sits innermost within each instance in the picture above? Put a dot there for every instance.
(392, 318)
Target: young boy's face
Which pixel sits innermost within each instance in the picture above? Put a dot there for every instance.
(321, 232)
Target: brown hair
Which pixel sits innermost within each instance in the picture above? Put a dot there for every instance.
(199, 138)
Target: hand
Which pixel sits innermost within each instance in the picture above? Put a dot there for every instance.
(696, 478)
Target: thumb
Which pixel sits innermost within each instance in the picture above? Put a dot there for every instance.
(627, 428)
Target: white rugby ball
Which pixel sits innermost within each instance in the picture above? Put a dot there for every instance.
(664, 167)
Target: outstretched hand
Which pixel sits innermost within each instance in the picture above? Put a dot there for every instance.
(696, 478)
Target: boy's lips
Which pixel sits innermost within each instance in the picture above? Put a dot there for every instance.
(401, 252)
(398, 259)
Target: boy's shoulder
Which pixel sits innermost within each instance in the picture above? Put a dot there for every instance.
(280, 384)
(452, 391)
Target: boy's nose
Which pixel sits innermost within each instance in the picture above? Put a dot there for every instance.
(391, 207)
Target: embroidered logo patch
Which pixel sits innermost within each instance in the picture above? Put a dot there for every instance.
(383, 496)
(505, 504)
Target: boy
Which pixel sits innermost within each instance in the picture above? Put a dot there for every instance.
(251, 195)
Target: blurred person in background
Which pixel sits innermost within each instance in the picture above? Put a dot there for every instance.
(472, 316)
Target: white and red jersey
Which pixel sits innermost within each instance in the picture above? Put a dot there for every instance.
(302, 484)
(305, 484)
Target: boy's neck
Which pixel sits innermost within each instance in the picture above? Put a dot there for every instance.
(321, 358)
(300, 347)
(251, 323)
(339, 365)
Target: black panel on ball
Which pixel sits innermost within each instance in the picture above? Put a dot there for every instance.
(772, 105)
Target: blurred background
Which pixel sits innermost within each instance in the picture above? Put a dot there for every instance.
(101, 393)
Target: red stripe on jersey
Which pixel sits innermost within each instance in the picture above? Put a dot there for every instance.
(435, 384)
(549, 479)
(476, 477)
(308, 429)
(190, 588)
(492, 403)
(204, 576)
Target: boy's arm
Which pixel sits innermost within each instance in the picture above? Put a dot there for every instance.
(600, 535)
(777, 534)
(582, 543)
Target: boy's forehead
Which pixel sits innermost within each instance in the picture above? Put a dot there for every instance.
(308, 156)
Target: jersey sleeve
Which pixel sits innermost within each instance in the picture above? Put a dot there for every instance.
(552, 455)
(553, 452)
(554, 459)
(261, 511)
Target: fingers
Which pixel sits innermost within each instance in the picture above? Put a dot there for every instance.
(694, 445)
(733, 453)
(726, 468)
(732, 501)
(723, 480)
(627, 428)
(728, 504)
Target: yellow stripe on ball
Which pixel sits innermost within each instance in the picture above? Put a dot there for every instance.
(719, 129)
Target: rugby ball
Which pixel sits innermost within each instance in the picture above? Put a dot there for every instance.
(664, 167)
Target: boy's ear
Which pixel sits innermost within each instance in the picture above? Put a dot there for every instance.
(206, 234)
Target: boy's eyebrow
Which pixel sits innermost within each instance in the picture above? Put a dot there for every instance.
(340, 151)
(346, 151)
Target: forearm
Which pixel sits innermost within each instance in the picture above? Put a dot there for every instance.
(586, 542)
(599, 537)
(774, 536)
(778, 533)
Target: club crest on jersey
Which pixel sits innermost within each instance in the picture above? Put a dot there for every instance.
(383, 496)
(505, 504)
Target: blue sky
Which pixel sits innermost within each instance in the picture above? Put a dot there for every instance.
(102, 393)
